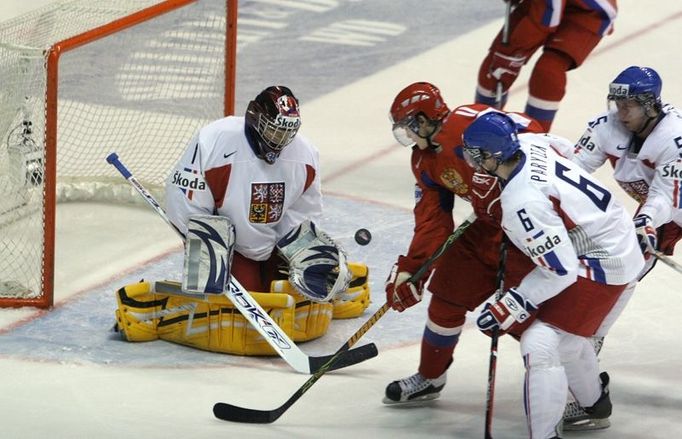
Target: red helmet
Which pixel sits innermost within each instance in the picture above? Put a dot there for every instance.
(417, 98)
(272, 121)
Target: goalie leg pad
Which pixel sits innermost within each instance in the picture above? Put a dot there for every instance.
(137, 313)
(222, 328)
(215, 326)
(311, 319)
(356, 298)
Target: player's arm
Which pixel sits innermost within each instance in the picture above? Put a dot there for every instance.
(433, 222)
(538, 231)
(535, 228)
(664, 193)
(187, 189)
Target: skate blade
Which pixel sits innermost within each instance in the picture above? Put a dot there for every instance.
(587, 425)
(421, 400)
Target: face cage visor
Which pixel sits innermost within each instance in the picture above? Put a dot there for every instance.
(279, 133)
(474, 156)
(401, 130)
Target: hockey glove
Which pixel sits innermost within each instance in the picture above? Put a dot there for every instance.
(502, 65)
(512, 308)
(646, 235)
(401, 294)
(485, 198)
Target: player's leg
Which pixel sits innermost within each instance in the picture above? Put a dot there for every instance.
(451, 298)
(441, 334)
(566, 49)
(545, 384)
(582, 369)
(585, 308)
(527, 32)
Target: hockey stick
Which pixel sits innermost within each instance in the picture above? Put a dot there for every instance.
(229, 412)
(667, 260)
(426, 266)
(252, 311)
(494, 337)
(505, 41)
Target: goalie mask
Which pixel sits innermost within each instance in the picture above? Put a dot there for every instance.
(317, 265)
(272, 121)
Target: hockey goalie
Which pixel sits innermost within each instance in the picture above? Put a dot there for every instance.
(245, 195)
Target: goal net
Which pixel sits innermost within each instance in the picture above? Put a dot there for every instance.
(82, 78)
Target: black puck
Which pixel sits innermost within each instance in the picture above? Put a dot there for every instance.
(363, 237)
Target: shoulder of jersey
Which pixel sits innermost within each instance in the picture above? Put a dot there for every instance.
(454, 124)
(300, 149)
(224, 139)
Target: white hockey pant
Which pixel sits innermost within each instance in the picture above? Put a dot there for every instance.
(554, 360)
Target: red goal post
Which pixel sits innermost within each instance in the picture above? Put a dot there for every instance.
(83, 77)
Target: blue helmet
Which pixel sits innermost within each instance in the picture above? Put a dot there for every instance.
(639, 83)
(492, 134)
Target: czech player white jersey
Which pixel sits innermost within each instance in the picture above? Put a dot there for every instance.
(219, 174)
(652, 176)
(567, 222)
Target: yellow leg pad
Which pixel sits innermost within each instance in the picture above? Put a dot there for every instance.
(354, 301)
(312, 318)
(216, 327)
(222, 328)
(137, 313)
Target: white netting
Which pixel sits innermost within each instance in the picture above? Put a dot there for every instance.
(141, 91)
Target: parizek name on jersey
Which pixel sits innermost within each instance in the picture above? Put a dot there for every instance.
(187, 180)
(538, 163)
(542, 248)
(673, 170)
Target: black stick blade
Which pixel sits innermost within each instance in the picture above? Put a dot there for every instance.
(229, 412)
(348, 358)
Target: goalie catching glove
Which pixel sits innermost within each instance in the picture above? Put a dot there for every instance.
(317, 265)
(512, 308)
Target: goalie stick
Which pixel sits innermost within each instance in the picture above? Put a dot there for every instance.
(253, 312)
(229, 412)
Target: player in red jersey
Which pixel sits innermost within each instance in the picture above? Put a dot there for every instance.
(465, 276)
(567, 30)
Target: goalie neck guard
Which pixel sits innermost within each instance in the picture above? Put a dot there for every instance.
(317, 265)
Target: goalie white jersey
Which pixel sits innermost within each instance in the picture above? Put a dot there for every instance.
(567, 223)
(219, 174)
(652, 176)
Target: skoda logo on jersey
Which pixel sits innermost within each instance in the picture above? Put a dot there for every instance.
(188, 181)
(619, 90)
(673, 170)
(547, 245)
